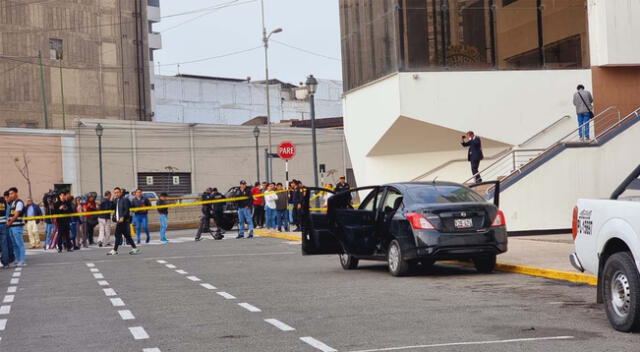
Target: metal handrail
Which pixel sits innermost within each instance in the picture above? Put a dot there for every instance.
(454, 161)
(544, 130)
(511, 155)
(636, 112)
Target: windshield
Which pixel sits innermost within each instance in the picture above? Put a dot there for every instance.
(149, 195)
(443, 194)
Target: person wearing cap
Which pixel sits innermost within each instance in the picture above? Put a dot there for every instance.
(244, 210)
(218, 213)
(163, 214)
(342, 186)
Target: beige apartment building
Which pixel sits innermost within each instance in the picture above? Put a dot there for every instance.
(62, 60)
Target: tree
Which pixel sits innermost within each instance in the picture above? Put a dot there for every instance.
(24, 170)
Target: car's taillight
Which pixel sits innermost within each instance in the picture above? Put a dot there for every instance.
(499, 220)
(419, 222)
(574, 223)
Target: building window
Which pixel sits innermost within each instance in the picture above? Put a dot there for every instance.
(151, 54)
(508, 2)
(154, 3)
(174, 183)
(55, 49)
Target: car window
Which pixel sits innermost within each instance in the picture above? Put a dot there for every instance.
(149, 195)
(390, 201)
(443, 194)
(370, 200)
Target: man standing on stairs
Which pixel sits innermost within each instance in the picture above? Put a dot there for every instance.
(471, 141)
(583, 101)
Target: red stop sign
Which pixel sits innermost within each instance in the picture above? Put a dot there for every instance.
(286, 150)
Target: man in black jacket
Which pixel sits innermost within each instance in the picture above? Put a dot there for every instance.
(471, 141)
(62, 207)
(122, 218)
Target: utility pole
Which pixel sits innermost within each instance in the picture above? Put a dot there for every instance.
(64, 120)
(44, 94)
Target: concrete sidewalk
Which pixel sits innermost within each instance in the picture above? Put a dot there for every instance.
(544, 256)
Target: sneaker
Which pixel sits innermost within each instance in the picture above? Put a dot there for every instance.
(239, 237)
(135, 251)
(198, 238)
(164, 241)
(112, 252)
(99, 244)
(148, 240)
(21, 264)
(250, 236)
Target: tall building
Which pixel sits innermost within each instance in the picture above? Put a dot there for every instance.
(418, 74)
(95, 61)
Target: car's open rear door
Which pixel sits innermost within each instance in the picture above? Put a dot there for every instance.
(488, 190)
(318, 235)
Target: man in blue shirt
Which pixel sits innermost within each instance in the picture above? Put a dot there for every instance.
(16, 224)
(140, 220)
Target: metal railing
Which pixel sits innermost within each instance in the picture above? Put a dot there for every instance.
(544, 131)
(513, 163)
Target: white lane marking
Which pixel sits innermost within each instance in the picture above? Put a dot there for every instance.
(117, 302)
(280, 325)
(103, 283)
(155, 349)
(109, 292)
(161, 261)
(18, 269)
(94, 270)
(126, 314)
(490, 342)
(208, 286)
(181, 272)
(14, 281)
(12, 289)
(250, 307)
(138, 333)
(318, 344)
(4, 310)
(90, 265)
(193, 278)
(18, 274)
(98, 276)
(3, 324)
(226, 295)
(170, 266)
(8, 299)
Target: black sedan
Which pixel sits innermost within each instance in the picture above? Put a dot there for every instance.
(407, 224)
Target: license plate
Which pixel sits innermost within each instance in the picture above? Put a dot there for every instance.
(463, 223)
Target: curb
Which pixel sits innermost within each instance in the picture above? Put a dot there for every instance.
(263, 233)
(504, 267)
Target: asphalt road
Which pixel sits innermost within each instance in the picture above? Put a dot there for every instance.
(262, 295)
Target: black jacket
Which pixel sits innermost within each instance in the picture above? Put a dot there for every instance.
(105, 204)
(163, 211)
(218, 207)
(139, 203)
(244, 203)
(475, 149)
(65, 207)
(121, 207)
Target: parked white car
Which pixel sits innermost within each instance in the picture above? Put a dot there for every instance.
(606, 233)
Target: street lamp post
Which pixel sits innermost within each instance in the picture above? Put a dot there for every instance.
(99, 132)
(312, 87)
(256, 134)
(265, 40)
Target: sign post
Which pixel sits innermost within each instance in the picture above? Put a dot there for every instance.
(286, 152)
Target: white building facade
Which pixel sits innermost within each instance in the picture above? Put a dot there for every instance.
(229, 101)
(420, 73)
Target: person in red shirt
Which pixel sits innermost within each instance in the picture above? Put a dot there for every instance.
(91, 220)
(258, 205)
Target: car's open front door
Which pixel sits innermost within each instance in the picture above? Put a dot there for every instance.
(488, 190)
(318, 235)
(357, 229)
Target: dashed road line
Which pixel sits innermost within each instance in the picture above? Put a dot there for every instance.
(5, 310)
(117, 302)
(139, 333)
(8, 298)
(280, 325)
(226, 295)
(16, 274)
(3, 324)
(98, 276)
(126, 314)
(18, 269)
(103, 283)
(181, 272)
(193, 278)
(12, 289)
(250, 307)
(91, 265)
(94, 270)
(155, 349)
(318, 344)
(14, 281)
(161, 261)
(208, 286)
(170, 266)
(109, 292)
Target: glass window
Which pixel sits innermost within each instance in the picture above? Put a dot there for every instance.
(370, 201)
(390, 201)
(443, 194)
(564, 29)
(55, 49)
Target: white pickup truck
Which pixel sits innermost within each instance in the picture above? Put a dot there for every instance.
(606, 233)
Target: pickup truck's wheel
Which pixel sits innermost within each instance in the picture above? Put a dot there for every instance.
(485, 264)
(348, 262)
(397, 266)
(621, 290)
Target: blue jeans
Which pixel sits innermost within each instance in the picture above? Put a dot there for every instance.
(282, 219)
(74, 233)
(270, 217)
(583, 118)
(290, 211)
(244, 214)
(15, 232)
(5, 244)
(48, 231)
(140, 222)
(163, 227)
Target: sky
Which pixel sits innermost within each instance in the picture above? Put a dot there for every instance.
(311, 25)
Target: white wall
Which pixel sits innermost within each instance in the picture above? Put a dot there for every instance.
(613, 32)
(545, 198)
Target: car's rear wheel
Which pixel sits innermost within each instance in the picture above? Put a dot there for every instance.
(485, 264)
(621, 289)
(397, 265)
(348, 262)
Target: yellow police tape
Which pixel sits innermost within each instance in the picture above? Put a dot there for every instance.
(165, 206)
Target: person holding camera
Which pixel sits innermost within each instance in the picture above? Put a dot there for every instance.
(473, 142)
